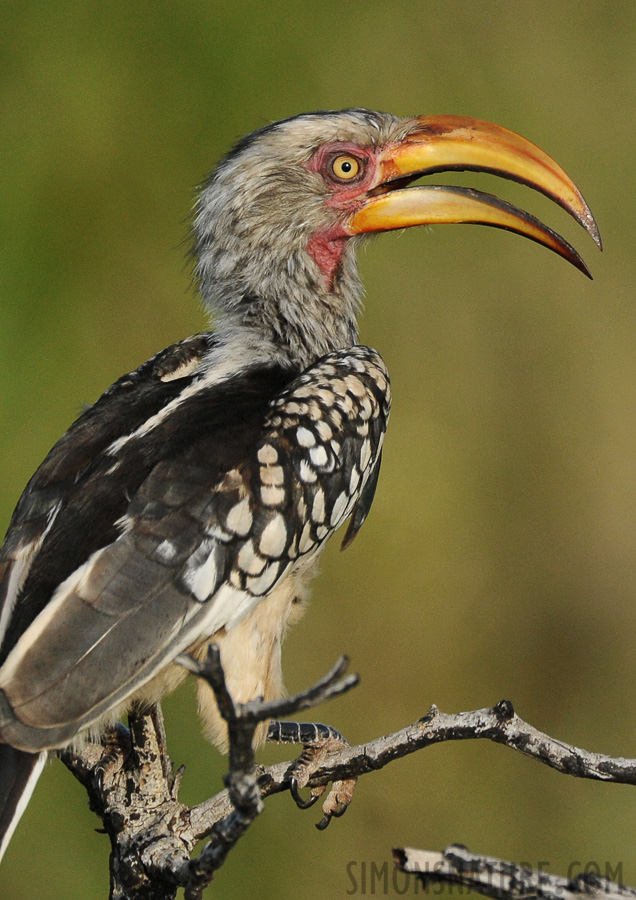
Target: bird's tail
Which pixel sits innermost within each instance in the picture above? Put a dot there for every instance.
(19, 772)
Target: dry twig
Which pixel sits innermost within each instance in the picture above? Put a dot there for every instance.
(501, 879)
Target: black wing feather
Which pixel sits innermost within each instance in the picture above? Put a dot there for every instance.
(73, 483)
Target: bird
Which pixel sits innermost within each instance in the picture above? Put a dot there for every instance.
(191, 502)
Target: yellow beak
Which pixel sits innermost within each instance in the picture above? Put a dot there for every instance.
(444, 143)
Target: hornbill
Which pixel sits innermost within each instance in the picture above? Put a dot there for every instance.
(191, 501)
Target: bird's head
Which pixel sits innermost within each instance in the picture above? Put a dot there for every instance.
(278, 220)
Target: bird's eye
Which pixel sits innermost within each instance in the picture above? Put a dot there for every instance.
(345, 167)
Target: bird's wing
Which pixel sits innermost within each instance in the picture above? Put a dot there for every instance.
(244, 479)
(33, 546)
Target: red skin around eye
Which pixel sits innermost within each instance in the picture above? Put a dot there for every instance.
(326, 247)
(344, 191)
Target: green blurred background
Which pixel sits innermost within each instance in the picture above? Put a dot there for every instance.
(500, 558)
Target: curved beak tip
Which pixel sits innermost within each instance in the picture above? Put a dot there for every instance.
(594, 232)
(444, 143)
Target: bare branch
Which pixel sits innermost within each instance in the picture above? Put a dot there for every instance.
(503, 880)
(243, 793)
(330, 685)
(499, 724)
(133, 789)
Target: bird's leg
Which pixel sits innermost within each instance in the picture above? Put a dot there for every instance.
(117, 744)
(318, 742)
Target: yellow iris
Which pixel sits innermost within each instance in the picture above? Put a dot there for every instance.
(345, 167)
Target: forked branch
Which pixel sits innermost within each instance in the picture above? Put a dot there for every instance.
(132, 786)
(243, 791)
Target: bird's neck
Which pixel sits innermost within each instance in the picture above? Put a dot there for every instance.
(291, 316)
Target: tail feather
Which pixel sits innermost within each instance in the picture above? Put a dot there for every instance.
(19, 773)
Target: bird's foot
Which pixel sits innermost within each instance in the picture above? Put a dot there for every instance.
(117, 744)
(318, 742)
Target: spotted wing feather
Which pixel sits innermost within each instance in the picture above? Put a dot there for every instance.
(256, 477)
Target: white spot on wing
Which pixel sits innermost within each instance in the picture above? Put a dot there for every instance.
(295, 409)
(304, 392)
(318, 455)
(272, 475)
(318, 508)
(166, 551)
(326, 396)
(267, 454)
(249, 561)
(274, 537)
(305, 437)
(355, 386)
(235, 578)
(264, 582)
(306, 541)
(202, 580)
(182, 371)
(379, 379)
(366, 408)
(356, 364)
(339, 508)
(307, 474)
(338, 386)
(272, 495)
(345, 403)
(239, 518)
(324, 431)
(365, 453)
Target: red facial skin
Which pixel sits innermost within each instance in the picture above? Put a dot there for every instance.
(394, 167)
(326, 247)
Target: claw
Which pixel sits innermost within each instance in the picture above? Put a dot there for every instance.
(318, 742)
(300, 802)
(339, 810)
(337, 802)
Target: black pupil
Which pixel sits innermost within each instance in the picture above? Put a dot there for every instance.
(346, 166)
